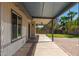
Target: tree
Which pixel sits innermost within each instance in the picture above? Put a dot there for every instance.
(71, 15)
(63, 22)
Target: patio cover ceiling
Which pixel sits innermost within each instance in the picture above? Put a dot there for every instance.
(46, 9)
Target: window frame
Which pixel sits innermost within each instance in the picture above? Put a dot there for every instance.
(18, 15)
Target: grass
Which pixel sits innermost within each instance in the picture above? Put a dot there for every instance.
(63, 36)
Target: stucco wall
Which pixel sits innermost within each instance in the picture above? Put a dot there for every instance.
(39, 20)
(8, 48)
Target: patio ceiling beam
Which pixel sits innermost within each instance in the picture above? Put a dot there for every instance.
(42, 17)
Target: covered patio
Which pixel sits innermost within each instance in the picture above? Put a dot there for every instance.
(43, 13)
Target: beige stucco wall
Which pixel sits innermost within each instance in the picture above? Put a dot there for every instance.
(39, 20)
(8, 48)
(33, 28)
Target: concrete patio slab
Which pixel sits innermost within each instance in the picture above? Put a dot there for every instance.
(49, 49)
(44, 38)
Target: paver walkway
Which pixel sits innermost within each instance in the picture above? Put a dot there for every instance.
(44, 47)
(70, 45)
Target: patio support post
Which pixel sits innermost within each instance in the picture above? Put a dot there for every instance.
(52, 30)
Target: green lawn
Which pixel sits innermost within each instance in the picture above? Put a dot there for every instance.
(63, 36)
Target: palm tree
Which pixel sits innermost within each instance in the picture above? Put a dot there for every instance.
(63, 21)
(71, 15)
(77, 25)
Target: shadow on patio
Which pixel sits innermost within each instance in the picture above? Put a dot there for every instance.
(29, 48)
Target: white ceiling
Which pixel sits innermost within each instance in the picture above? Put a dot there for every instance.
(44, 9)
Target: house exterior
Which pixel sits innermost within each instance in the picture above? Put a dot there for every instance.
(13, 18)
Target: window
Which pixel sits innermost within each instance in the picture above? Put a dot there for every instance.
(19, 26)
(16, 26)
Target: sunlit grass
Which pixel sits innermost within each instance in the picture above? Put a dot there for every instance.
(63, 36)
